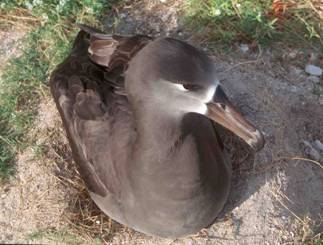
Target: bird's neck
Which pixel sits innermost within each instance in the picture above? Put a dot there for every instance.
(159, 132)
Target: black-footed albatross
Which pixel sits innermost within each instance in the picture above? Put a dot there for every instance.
(146, 147)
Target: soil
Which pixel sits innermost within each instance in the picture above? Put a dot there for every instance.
(10, 41)
(277, 193)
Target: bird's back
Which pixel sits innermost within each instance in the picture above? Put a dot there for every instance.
(97, 120)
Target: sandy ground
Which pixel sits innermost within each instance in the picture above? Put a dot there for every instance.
(277, 194)
(10, 42)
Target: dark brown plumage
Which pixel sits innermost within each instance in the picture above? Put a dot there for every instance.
(113, 51)
(145, 148)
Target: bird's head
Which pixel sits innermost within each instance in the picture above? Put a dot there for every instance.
(177, 77)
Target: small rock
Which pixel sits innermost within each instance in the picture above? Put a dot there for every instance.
(321, 100)
(312, 152)
(123, 15)
(163, 1)
(293, 89)
(319, 145)
(244, 48)
(313, 79)
(313, 70)
(292, 55)
(284, 237)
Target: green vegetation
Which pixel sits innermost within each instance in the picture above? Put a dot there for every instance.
(57, 236)
(258, 21)
(51, 24)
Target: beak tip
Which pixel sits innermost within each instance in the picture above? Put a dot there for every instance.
(258, 142)
(223, 112)
(90, 50)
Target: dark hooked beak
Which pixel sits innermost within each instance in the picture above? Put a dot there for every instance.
(223, 112)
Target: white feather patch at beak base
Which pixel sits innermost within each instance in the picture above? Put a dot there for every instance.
(210, 93)
(201, 98)
(180, 87)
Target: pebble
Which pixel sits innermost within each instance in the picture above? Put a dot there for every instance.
(292, 55)
(312, 152)
(319, 145)
(313, 79)
(123, 15)
(293, 89)
(321, 100)
(244, 48)
(313, 70)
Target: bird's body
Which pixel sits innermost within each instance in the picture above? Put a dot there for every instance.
(148, 164)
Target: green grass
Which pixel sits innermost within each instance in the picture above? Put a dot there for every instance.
(58, 236)
(225, 22)
(22, 84)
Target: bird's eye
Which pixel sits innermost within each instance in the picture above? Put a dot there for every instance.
(191, 87)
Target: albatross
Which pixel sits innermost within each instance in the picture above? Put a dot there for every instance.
(139, 116)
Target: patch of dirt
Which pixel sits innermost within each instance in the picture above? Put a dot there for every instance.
(9, 45)
(276, 195)
(152, 17)
(34, 199)
(31, 201)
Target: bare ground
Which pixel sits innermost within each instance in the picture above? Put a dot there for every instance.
(277, 194)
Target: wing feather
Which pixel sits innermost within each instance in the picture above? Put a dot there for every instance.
(78, 89)
(94, 108)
